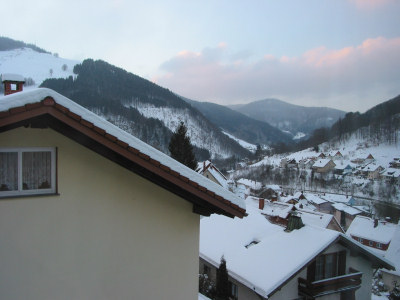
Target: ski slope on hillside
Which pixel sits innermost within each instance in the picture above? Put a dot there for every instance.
(38, 66)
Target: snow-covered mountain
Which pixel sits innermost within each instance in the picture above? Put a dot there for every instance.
(35, 65)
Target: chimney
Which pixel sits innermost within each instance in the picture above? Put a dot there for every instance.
(13, 83)
(375, 223)
(261, 203)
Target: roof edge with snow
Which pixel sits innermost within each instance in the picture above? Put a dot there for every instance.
(44, 108)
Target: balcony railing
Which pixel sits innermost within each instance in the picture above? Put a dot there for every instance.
(330, 285)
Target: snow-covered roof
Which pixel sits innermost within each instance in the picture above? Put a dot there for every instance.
(12, 77)
(371, 168)
(393, 252)
(341, 165)
(316, 199)
(255, 185)
(267, 265)
(315, 218)
(363, 227)
(347, 209)
(38, 95)
(336, 198)
(392, 172)
(320, 163)
(219, 177)
(278, 209)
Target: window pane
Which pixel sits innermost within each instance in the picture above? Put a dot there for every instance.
(8, 171)
(330, 266)
(36, 170)
(319, 268)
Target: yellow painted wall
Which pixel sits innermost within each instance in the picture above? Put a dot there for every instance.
(109, 234)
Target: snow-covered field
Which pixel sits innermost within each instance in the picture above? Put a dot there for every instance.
(38, 66)
(242, 143)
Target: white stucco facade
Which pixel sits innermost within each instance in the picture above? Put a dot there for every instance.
(107, 234)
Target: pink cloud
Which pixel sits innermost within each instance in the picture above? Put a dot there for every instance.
(371, 4)
(351, 78)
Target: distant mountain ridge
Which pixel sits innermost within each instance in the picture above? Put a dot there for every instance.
(288, 117)
(240, 125)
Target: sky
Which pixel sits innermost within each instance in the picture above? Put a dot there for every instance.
(343, 54)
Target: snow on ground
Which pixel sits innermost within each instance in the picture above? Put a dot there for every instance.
(31, 64)
(202, 297)
(242, 143)
(299, 135)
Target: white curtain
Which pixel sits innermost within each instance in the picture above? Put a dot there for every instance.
(36, 170)
(8, 171)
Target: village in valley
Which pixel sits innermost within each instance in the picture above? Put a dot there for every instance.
(320, 223)
(306, 210)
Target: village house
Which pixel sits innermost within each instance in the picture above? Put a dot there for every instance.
(210, 171)
(343, 168)
(252, 187)
(391, 176)
(373, 233)
(267, 261)
(88, 211)
(372, 171)
(278, 213)
(321, 204)
(323, 165)
(345, 214)
(306, 163)
(335, 155)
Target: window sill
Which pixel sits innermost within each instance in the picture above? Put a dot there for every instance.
(28, 196)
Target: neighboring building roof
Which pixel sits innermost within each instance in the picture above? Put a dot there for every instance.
(255, 185)
(343, 165)
(314, 218)
(337, 198)
(270, 263)
(371, 168)
(320, 163)
(315, 198)
(347, 209)
(12, 77)
(218, 176)
(41, 107)
(393, 252)
(363, 227)
(392, 172)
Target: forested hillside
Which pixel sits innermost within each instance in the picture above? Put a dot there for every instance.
(142, 108)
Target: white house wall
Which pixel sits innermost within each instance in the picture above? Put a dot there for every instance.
(109, 234)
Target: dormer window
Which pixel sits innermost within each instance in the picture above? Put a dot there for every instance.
(27, 171)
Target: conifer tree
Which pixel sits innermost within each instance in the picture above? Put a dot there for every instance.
(222, 289)
(181, 149)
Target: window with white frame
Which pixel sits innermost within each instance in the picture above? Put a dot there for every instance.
(27, 171)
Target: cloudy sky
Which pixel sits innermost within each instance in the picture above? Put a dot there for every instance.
(343, 54)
